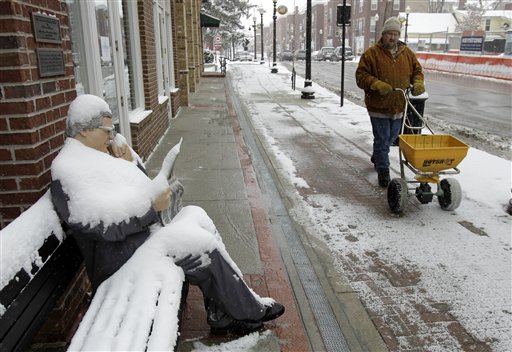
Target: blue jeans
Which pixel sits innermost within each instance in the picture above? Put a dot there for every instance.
(385, 131)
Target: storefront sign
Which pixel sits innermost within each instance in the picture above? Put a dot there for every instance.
(472, 41)
(50, 62)
(46, 28)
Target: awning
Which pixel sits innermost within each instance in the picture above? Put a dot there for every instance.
(209, 21)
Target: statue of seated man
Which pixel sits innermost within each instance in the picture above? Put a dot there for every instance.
(101, 191)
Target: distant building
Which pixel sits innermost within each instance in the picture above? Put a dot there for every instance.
(431, 26)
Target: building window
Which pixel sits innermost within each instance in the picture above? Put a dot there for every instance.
(132, 57)
(164, 48)
(361, 5)
(374, 5)
(396, 5)
(106, 56)
(78, 51)
(373, 24)
(488, 24)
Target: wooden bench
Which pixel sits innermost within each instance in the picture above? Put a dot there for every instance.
(138, 308)
(38, 263)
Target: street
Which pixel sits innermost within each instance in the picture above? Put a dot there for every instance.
(429, 279)
(477, 110)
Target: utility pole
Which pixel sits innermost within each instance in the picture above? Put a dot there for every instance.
(308, 91)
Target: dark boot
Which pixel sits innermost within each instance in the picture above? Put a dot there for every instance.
(237, 327)
(383, 178)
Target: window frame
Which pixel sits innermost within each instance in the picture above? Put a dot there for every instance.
(164, 49)
(92, 58)
(133, 24)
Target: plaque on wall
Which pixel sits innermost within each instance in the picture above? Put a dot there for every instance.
(50, 62)
(46, 28)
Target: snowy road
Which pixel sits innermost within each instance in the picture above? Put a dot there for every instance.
(477, 110)
(429, 279)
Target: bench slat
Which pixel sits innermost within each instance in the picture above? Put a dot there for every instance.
(25, 316)
(16, 285)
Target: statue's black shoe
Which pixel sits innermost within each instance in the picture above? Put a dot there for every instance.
(272, 312)
(237, 327)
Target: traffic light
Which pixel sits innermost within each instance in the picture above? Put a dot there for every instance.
(343, 15)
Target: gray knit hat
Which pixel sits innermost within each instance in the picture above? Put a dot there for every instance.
(392, 24)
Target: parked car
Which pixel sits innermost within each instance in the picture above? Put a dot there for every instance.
(317, 55)
(337, 54)
(286, 55)
(327, 53)
(243, 56)
(300, 54)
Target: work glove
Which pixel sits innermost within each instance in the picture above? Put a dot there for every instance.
(382, 87)
(418, 87)
(189, 262)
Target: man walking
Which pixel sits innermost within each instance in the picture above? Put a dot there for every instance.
(387, 65)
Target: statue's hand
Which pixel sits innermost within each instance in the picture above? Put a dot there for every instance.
(161, 202)
(121, 151)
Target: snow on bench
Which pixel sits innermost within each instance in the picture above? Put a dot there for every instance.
(22, 238)
(37, 263)
(137, 308)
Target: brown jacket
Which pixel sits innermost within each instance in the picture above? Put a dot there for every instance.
(377, 63)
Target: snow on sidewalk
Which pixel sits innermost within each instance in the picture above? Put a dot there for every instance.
(462, 257)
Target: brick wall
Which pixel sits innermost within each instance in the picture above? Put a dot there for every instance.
(317, 13)
(147, 133)
(32, 108)
(181, 62)
(148, 53)
(176, 94)
(175, 103)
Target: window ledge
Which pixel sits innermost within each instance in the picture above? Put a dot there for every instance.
(162, 99)
(138, 116)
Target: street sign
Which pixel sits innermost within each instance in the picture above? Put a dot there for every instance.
(472, 41)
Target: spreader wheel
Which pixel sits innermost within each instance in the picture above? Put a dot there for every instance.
(451, 194)
(397, 195)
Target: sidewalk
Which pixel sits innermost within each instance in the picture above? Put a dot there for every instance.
(217, 174)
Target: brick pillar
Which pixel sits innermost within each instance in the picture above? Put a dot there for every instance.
(176, 94)
(148, 54)
(181, 50)
(189, 10)
(199, 44)
(32, 108)
(196, 26)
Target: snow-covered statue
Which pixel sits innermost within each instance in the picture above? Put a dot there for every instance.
(101, 191)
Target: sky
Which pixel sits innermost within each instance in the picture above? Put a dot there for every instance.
(269, 10)
(470, 272)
